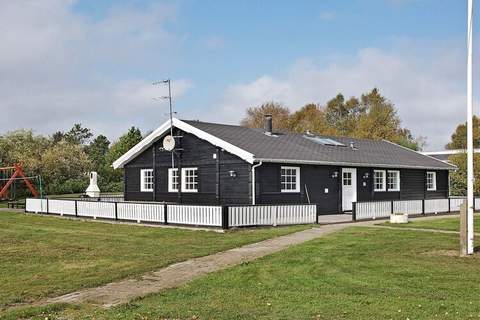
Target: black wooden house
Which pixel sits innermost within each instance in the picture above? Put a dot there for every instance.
(227, 164)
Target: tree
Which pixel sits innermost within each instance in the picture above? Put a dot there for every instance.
(343, 115)
(459, 137)
(63, 168)
(110, 179)
(97, 151)
(255, 116)
(371, 117)
(311, 118)
(23, 147)
(458, 178)
(78, 135)
(379, 120)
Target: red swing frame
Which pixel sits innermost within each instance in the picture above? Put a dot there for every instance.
(17, 173)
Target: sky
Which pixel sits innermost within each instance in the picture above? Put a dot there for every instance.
(93, 62)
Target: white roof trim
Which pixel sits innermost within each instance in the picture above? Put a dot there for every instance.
(152, 137)
(454, 151)
(351, 164)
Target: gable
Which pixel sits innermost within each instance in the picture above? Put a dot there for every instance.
(164, 128)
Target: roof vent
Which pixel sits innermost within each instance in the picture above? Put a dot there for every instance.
(268, 124)
(352, 145)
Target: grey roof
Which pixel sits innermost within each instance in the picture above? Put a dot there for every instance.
(296, 148)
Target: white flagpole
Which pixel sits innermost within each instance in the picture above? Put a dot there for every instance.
(470, 176)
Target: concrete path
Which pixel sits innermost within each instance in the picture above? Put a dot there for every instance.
(175, 275)
(178, 274)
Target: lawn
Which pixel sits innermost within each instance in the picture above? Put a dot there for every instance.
(358, 273)
(47, 256)
(450, 223)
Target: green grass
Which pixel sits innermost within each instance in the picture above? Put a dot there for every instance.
(47, 256)
(450, 224)
(358, 273)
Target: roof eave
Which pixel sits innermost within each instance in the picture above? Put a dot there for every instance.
(352, 164)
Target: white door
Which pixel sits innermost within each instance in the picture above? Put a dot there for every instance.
(349, 188)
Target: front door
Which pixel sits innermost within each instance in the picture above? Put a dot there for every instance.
(349, 188)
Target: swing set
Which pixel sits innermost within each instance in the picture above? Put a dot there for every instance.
(10, 176)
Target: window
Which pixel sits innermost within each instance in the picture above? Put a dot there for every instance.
(290, 179)
(347, 178)
(379, 180)
(173, 180)
(146, 180)
(189, 180)
(431, 181)
(393, 180)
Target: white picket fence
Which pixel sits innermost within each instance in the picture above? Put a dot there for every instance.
(273, 215)
(383, 209)
(197, 215)
(212, 216)
(148, 212)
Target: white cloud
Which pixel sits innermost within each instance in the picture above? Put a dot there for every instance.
(57, 67)
(425, 82)
(327, 15)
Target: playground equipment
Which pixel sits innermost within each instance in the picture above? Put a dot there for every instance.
(9, 176)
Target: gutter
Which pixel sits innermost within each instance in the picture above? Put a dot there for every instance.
(253, 181)
(351, 164)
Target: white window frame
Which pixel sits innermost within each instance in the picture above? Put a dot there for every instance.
(434, 181)
(184, 180)
(143, 183)
(297, 179)
(171, 176)
(384, 181)
(397, 187)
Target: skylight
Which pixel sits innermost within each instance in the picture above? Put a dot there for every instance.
(325, 141)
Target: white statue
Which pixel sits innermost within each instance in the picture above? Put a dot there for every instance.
(93, 191)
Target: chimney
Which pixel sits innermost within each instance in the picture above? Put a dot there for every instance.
(268, 124)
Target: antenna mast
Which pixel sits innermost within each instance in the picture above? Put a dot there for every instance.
(169, 97)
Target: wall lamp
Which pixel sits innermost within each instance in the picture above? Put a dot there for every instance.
(335, 174)
(232, 173)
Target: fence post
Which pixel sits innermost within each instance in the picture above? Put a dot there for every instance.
(423, 206)
(449, 208)
(225, 222)
(275, 217)
(354, 211)
(391, 207)
(47, 205)
(316, 213)
(116, 211)
(165, 214)
(76, 209)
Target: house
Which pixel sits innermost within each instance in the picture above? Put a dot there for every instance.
(445, 154)
(227, 164)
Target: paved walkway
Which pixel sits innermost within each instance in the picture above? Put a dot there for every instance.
(175, 275)
(178, 274)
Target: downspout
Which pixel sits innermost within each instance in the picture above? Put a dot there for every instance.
(253, 181)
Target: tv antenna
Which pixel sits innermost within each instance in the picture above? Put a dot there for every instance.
(171, 141)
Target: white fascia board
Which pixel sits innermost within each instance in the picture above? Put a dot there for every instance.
(350, 164)
(443, 152)
(152, 137)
